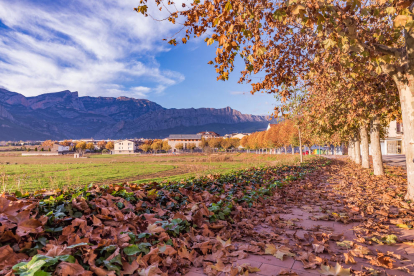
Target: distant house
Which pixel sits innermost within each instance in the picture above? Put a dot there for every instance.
(88, 140)
(124, 147)
(240, 135)
(184, 139)
(59, 148)
(393, 142)
(274, 122)
(208, 134)
(236, 135)
(269, 126)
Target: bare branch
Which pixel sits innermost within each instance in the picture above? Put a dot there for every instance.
(382, 49)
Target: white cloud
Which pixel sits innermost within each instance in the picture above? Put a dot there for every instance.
(99, 47)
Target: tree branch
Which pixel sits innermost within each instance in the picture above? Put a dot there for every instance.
(383, 49)
(411, 7)
(386, 50)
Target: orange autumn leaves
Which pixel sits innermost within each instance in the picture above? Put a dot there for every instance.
(283, 134)
(148, 229)
(155, 229)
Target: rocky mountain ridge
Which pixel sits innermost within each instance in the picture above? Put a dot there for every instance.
(65, 115)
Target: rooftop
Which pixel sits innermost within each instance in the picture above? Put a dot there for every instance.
(184, 136)
(208, 133)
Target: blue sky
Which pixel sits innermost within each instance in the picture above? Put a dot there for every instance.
(104, 48)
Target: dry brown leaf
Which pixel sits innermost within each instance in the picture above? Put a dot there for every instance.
(69, 269)
(285, 272)
(278, 252)
(318, 248)
(349, 259)
(338, 270)
(382, 261)
(153, 229)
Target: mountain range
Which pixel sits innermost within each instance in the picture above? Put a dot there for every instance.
(65, 115)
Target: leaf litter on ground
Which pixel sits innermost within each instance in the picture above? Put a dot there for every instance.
(210, 222)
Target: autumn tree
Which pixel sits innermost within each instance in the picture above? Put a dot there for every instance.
(215, 143)
(226, 144)
(235, 142)
(145, 147)
(204, 143)
(81, 146)
(156, 145)
(48, 143)
(179, 146)
(191, 146)
(101, 144)
(110, 145)
(272, 135)
(90, 146)
(333, 108)
(288, 39)
(252, 141)
(244, 142)
(165, 146)
(66, 143)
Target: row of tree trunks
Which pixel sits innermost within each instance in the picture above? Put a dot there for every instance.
(359, 147)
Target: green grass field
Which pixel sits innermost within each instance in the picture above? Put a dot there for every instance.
(51, 172)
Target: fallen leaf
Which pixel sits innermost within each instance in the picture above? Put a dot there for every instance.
(345, 244)
(318, 248)
(349, 259)
(152, 270)
(359, 251)
(382, 261)
(285, 272)
(153, 229)
(278, 252)
(69, 269)
(334, 271)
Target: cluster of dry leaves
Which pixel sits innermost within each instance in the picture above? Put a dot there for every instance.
(212, 222)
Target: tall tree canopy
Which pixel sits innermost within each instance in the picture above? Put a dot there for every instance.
(290, 41)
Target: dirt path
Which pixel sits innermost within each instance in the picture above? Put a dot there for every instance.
(337, 215)
(395, 160)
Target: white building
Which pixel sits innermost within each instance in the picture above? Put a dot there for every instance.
(59, 148)
(393, 143)
(184, 139)
(124, 147)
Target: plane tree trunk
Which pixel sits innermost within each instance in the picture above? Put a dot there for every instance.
(300, 146)
(403, 75)
(376, 147)
(351, 149)
(406, 91)
(365, 146)
(357, 149)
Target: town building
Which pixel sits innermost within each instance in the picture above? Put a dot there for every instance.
(124, 147)
(184, 139)
(393, 142)
(59, 148)
(269, 126)
(87, 140)
(236, 135)
(273, 122)
(208, 134)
